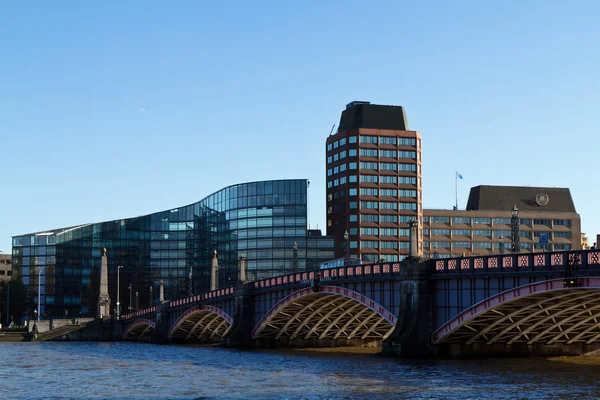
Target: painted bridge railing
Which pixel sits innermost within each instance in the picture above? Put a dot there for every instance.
(186, 300)
(352, 272)
(583, 259)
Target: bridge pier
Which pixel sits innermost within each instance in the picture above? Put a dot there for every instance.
(161, 332)
(412, 335)
(239, 334)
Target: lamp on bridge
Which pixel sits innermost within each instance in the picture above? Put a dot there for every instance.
(501, 244)
(118, 291)
(346, 248)
(130, 299)
(514, 224)
(295, 258)
(436, 254)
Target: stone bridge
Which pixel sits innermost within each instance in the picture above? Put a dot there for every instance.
(536, 303)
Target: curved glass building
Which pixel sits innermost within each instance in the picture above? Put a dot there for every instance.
(260, 221)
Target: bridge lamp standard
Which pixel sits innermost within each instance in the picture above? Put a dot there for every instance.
(346, 248)
(501, 244)
(515, 224)
(118, 291)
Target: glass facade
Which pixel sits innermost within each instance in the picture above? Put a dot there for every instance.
(260, 221)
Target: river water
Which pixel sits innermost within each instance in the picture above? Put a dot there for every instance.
(120, 370)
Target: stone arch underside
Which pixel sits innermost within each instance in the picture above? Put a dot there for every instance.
(330, 313)
(202, 323)
(139, 330)
(542, 313)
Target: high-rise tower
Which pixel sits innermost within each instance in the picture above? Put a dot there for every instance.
(373, 182)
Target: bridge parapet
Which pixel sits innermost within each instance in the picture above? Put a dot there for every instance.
(351, 272)
(519, 262)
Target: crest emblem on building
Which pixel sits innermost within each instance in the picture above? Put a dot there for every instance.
(542, 199)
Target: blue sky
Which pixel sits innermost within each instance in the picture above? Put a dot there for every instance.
(504, 92)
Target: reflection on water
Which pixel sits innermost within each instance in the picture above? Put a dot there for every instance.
(143, 371)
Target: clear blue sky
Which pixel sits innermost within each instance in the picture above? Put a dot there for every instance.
(504, 92)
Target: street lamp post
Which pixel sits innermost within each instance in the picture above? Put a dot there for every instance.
(514, 224)
(190, 290)
(39, 310)
(118, 291)
(501, 245)
(346, 248)
(295, 258)
(130, 299)
(435, 252)
(151, 295)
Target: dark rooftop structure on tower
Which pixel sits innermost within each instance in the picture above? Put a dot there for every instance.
(526, 198)
(363, 114)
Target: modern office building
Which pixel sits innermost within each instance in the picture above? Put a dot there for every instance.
(5, 267)
(373, 182)
(486, 222)
(260, 221)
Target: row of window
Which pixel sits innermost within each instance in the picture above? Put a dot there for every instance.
(488, 233)
(384, 231)
(387, 153)
(507, 247)
(488, 245)
(352, 153)
(386, 205)
(388, 140)
(374, 166)
(496, 221)
(402, 180)
(384, 244)
(381, 218)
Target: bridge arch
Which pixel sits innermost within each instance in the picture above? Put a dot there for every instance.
(540, 313)
(330, 313)
(139, 330)
(204, 323)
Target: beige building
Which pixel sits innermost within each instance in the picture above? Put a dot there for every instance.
(5, 267)
(486, 222)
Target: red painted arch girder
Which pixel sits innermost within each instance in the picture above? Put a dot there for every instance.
(146, 322)
(196, 309)
(512, 294)
(388, 316)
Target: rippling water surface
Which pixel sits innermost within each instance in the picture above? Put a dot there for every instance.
(79, 370)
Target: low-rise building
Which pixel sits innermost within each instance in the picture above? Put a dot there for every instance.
(485, 225)
(5, 267)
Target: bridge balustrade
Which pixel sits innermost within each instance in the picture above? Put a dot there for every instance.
(351, 272)
(547, 261)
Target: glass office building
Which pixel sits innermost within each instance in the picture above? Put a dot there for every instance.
(260, 221)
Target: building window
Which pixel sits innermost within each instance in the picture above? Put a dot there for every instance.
(441, 245)
(335, 144)
(387, 140)
(407, 180)
(368, 139)
(389, 231)
(482, 232)
(407, 167)
(353, 192)
(497, 234)
(461, 245)
(336, 157)
(369, 204)
(352, 165)
(368, 165)
(353, 218)
(443, 232)
(342, 141)
(353, 244)
(353, 179)
(525, 234)
(407, 142)
(482, 245)
(389, 179)
(369, 218)
(342, 180)
(461, 232)
(336, 182)
(329, 147)
(342, 167)
(388, 166)
(352, 153)
(336, 169)
(389, 192)
(564, 235)
(353, 204)
(408, 206)
(561, 246)
(426, 232)
(329, 160)
(368, 192)
(562, 222)
(369, 231)
(404, 232)
(329, 184)
(461, 220)
(368, 178)
(342, 154)
(389, 218)
(369, 244)
(525, 221)
(368, 152)
(351, 139)
(389, 245)
(481, 221)
(404, 245)
(443, 220)
(388, 153)
(329, 172)
(546, 222)
(501, 221)
(407, 154)
(389, 205)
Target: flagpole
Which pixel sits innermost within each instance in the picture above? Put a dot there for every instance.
(456, 187)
